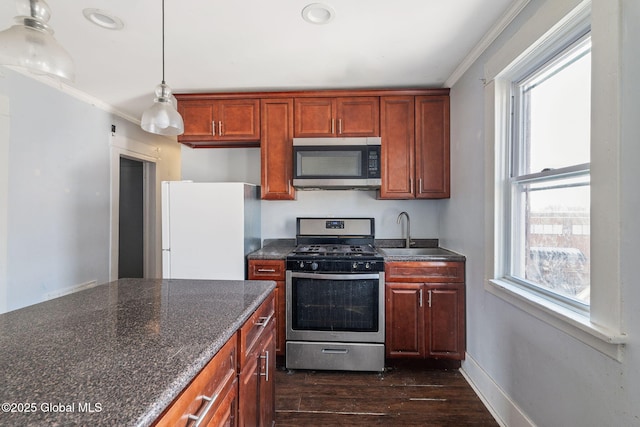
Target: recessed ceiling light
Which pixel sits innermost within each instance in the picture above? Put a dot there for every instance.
(318, 13)
(103, 19)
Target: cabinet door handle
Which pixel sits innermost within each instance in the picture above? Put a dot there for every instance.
(333, 127)
(429, 301)
(220, 128)
(198, 420)
(420, 186)
(410, 185)
(264, 321)
(340, 126)
(213, 128)
(420, 297)
(266, 365)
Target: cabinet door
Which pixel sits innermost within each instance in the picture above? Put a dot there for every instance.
(237, 119)
(276, 150)
(398, 147)
(198, 120)
(404, 320)
(314, 117)
(445, 321)
(267, 389)
(358, 116)
(248, 391)
(432, 147)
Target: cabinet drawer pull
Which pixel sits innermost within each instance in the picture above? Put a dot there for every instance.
(266, 270)
(265, 374)
(264, 321)
(335, 351)
(198, 420)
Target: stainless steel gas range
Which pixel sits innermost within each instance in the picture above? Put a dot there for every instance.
(335, 296)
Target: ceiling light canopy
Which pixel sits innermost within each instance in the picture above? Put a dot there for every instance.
(30, 43)
(318, 13)
(162, 118)
(103, 19)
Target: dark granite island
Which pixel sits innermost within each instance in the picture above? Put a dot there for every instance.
(116, 354)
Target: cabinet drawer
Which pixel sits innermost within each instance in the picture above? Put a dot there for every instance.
(214, 382)
(425, 271)
(254, 327)
(266, 270)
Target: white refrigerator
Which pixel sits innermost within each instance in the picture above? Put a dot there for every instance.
(208, 228)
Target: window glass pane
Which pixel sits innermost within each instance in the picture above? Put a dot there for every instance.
(556, 113)
(552, 228)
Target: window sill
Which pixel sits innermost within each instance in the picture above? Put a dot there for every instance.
(608, 342)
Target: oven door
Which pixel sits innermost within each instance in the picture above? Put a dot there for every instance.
(335, 307)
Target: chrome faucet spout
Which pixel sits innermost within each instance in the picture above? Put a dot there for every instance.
(407, 240)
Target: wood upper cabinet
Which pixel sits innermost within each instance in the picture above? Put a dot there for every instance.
(432, 147)
(212, 396)
(415, 147)
(425, 310)
(273, 269)
(220, 122)
(337, 116)
(397, 126)
(276, 150)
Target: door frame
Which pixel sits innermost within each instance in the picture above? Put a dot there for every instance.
(120, 146)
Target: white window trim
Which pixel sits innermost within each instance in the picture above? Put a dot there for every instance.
(602, 327)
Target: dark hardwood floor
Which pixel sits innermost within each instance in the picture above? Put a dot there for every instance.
(403, 395)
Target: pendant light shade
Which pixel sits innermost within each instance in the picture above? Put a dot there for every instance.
(30, 43)
(162, 118)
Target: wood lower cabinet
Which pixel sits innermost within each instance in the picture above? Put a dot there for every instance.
(212, 397)
(425, 310)
(273, 269)
(276, 150)
(337, 116)
(415, 147)
(257, 364)
(219, 122)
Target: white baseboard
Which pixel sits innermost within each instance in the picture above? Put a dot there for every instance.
(503, 409)
(69, 290)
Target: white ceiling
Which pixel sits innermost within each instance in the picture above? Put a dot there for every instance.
(255, 45)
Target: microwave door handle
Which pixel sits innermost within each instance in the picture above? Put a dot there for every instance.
(332, 276)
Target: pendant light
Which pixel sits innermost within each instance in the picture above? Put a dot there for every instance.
(162, 118)
(30, 44)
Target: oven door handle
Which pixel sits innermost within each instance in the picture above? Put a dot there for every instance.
(334, 276)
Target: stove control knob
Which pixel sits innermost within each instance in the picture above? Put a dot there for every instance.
(367, 266)
(301, 264)
(314, 266)
(355, 265)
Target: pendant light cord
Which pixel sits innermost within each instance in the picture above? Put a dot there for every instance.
(163, 42)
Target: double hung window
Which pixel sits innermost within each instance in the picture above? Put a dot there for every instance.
(548, 201)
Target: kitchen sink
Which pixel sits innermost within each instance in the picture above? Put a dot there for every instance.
(413, 251)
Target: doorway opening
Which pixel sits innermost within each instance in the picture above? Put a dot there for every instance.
(131, 219)
(134, 210)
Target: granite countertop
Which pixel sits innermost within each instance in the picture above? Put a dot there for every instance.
(278, 249)
(274, 249)
(119, 353)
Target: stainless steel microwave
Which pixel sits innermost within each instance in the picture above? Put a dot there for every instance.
(336, 163)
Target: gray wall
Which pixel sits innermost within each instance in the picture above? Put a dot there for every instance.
(552, 378)
(278, 217)
(55, 189)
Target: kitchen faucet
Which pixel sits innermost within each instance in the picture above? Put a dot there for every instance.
(407, 242)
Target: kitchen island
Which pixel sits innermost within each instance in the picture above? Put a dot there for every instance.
(119, 353)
